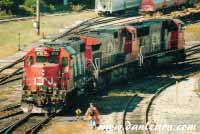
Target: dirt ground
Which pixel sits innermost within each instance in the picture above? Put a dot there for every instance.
(64, 127)
(10, 94)
(9, 31)
(177, 105)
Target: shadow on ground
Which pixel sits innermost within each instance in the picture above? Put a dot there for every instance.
(119, 95)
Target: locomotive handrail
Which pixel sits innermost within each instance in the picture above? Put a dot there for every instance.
(135, 60)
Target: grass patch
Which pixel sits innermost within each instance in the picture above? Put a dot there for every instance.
(192, 32)
(49, 25)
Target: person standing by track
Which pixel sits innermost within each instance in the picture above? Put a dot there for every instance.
(92, 115)
(78, 113)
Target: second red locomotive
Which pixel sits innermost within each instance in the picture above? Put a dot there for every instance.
(58, 70)
(155, 5)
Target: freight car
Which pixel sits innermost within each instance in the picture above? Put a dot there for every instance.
(148, 6)
(106, 7)
(57, 71)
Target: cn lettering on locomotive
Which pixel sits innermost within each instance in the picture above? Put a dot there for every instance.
(39, 81)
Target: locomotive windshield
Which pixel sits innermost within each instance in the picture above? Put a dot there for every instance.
(47, 57)
(53, 59)
(41, 59)
(50, 59)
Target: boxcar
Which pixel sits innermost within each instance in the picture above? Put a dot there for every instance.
(116, 6)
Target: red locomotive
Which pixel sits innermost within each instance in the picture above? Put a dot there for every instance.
(64, 68)
(155, 5)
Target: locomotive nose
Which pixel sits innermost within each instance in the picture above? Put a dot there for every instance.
(147, 8)
(45, 75)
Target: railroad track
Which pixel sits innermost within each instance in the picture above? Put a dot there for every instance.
(12, 71)
(141, 112)
(156, 96)
(10, 111)
(8, 107)
(189, 16)
(27, 124)
(85, 26)
(139, 115)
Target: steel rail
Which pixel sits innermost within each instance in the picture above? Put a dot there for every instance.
(9, 107)
(16, 72)
(12, 64)
(73, 28)
(36, 128)
(125, 112)
(191, 48)
(152, 98)
(12, 80)
(37, 125)
(10, 127)
(158, 93)
(11, 114)
(84, 26)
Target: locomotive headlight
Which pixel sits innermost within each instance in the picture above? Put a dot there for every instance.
(39, 53)
(43, 72)
(54, 85)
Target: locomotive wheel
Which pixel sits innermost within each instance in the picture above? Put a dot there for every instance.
(89, 88)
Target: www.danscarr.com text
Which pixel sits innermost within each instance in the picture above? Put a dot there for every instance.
(148, 126)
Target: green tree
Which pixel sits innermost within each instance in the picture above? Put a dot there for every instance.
(6, 2)
(31, 5)
(86, 3)
(5, 5)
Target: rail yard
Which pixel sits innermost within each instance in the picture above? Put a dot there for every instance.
(141, 72)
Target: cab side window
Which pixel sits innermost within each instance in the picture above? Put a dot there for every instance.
(30, 60)
(64, 61)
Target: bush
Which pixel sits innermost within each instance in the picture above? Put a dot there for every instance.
(3, 13)
(24, 10)
(84, 3)
(77, 7)
(30, 5)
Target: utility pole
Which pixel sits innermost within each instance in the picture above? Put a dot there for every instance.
(38, 16)
(19, 43)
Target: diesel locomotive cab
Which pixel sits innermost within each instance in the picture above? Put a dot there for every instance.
(44, 80)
